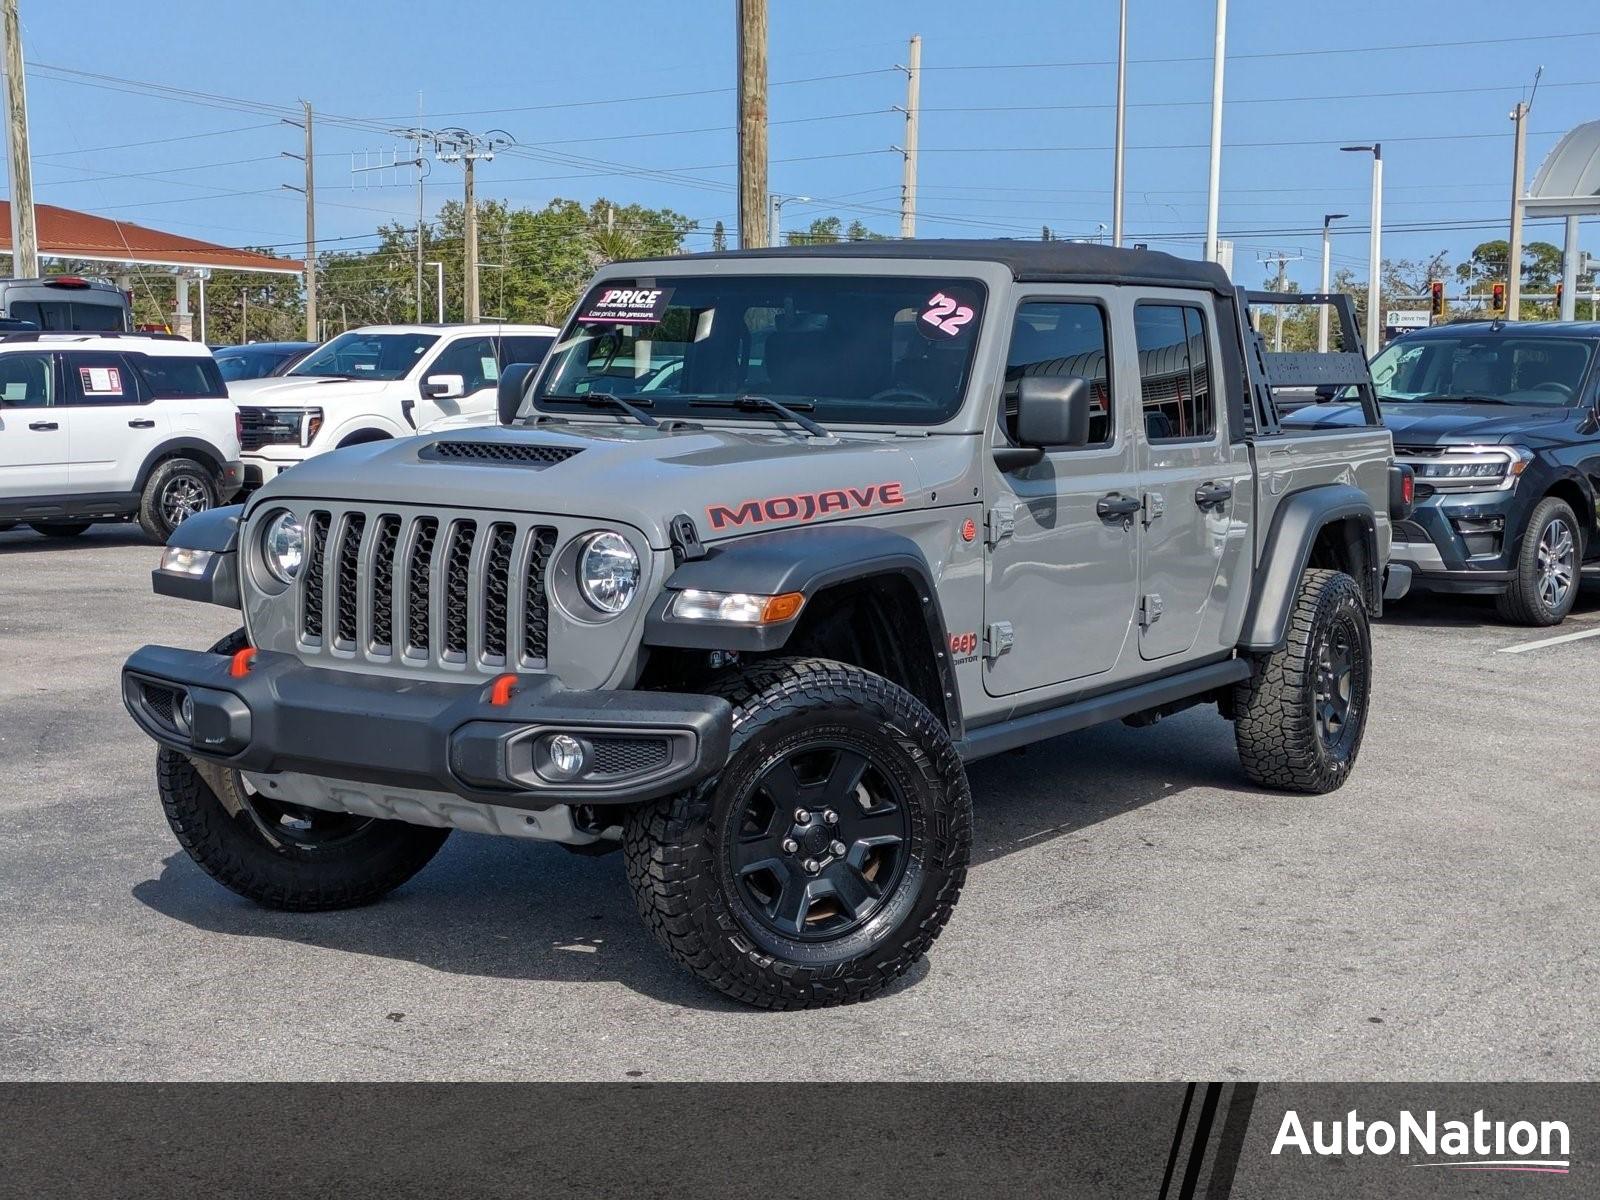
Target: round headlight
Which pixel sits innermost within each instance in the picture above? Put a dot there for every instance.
(283, 546)
(608, 572)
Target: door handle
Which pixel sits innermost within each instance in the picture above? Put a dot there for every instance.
(44, 426)
(142, 423)
(1213, 495)
(1116, 507)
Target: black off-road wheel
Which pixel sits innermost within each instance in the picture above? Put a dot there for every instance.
(1299, 718)
(284, 855)
(825, 858)
(176, 490)
(60, 529)
(1548, 566)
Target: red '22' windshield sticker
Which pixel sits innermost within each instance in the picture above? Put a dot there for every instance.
(626, 305)
(948, 313)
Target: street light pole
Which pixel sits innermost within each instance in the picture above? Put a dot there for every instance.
(775, 221)
(1375, 254)
(1214, 183)
(1122, 120)
(1327, 264)
(439, 287)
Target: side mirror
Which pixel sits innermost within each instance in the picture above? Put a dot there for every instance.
(444, 387)
(513, 386)
(1053, 411)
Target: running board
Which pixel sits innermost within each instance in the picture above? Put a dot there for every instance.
(1081, 714)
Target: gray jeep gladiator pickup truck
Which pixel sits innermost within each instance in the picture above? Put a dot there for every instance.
(770, 546)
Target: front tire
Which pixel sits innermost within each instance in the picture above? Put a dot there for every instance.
(282, 855)
(176, 490)
(828, 854)
(1545, 585)
(1299, 718)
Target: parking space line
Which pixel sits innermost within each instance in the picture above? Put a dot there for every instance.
(1555, 641)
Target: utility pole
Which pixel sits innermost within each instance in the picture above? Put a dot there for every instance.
(1281, 284)
(457, 145)
(908, 174)
(1519, 117)
(310, 193)
(24, 230)
(1327, 281)
(1219, 54)
(1122, 121)
(753, 123)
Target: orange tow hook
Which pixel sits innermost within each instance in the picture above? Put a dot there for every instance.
(501, 690)
(239, 666)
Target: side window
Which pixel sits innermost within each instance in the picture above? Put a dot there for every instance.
(523, 348)
(174, 377)
(1174, 372)
(1050, 337)
(471, 358)
(26, 381)
(93, 379)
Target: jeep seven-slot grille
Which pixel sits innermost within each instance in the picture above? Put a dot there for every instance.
(445, 590)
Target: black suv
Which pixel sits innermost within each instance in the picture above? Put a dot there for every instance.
(1501, 423)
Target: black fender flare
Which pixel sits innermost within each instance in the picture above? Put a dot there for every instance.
(181, 447)
(364, 437)
(808, 561)
(216, 533)
(1301, 516)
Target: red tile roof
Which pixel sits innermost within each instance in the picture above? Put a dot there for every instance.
(84, 235)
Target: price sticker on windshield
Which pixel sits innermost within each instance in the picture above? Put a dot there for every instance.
(948, 313)
(625, 304)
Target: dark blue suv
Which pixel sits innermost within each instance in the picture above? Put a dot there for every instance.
(1501, 423)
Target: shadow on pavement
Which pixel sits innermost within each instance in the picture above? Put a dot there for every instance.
(23, 540)
(501, 908)
(1442, 611)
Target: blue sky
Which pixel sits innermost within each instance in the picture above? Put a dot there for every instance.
(1016, 132)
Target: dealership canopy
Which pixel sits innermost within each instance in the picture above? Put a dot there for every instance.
(64, 233)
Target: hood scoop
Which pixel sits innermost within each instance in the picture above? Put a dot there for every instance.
(505, 454)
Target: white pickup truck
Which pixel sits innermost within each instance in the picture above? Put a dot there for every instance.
(382, 381)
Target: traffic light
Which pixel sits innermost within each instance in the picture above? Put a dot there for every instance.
(1499, 297)
(1436, 294)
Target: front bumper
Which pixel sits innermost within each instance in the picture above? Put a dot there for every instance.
(278, 715)
(261, 468)
(1461, 542)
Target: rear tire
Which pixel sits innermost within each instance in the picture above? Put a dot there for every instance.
(282, 856)
(784, 913)
(60, 529)
(1549, 563)
(1300, 716)
(176, 490)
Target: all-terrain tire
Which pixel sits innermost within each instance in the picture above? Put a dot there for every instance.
(1275, 710)
(1523, 602)
(157, 515)
(60, 529)
(674, 849)
(368, 860)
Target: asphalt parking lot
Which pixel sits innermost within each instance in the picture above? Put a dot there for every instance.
(1135, 910)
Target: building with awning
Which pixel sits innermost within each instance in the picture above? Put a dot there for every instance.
(1568, 185)
(65, 233)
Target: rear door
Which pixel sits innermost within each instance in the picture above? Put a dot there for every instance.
(115, 426)
(1193, 481)
(34, 429)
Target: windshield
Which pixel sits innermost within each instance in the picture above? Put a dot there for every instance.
(358, 355)
(870, 349)
(1497, 369)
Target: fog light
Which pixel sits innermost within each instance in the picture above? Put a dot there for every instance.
(564, 757)
(186, 712)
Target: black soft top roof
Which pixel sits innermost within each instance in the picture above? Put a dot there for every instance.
(1029, 262)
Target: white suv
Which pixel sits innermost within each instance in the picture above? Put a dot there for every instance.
(109, 427)
(379, 382)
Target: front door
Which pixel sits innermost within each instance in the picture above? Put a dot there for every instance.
(115, 425)
(1062, 576)
(474, 359)
(1188, 477)
(34, 429)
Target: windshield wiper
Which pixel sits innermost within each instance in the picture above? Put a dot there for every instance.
(603, 399)
(752, 403)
